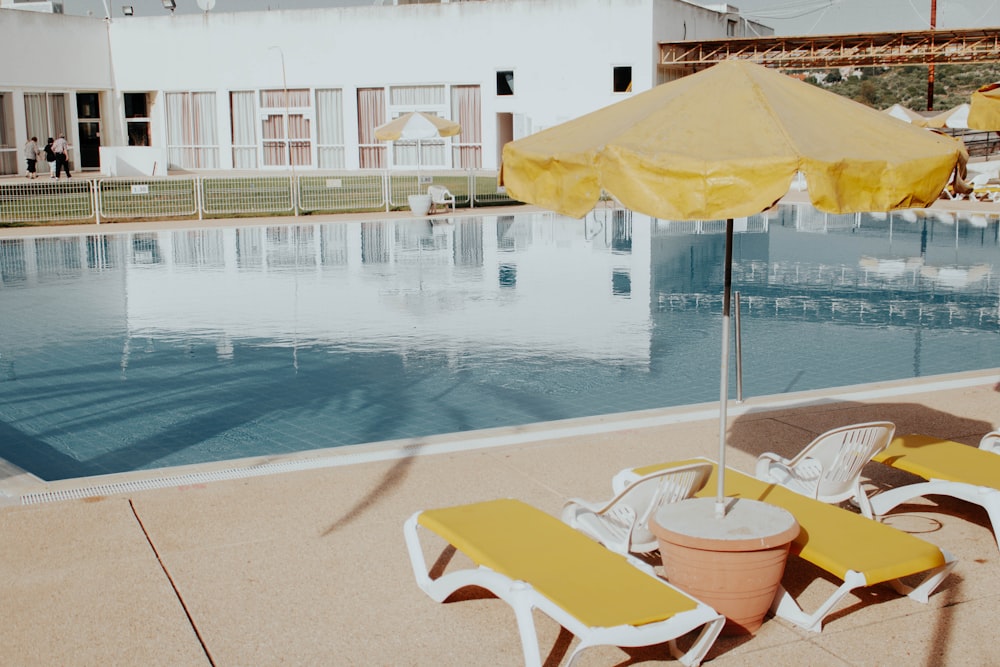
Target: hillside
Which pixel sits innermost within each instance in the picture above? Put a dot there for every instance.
(881, 87)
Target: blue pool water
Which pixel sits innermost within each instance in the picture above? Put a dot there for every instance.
(124, 351)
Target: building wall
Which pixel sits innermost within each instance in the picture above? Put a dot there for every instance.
(561, 53)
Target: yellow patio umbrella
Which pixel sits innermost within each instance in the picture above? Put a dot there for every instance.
(727, 142)
(984, 109)
(417, 125)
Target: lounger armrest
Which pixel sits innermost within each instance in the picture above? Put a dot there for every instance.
(765, 461)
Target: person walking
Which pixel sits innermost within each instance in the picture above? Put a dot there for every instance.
(50, 157)
(61, 148)
(31, 152)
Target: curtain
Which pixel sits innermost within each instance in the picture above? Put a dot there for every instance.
(37, 116)
(244, 123)
(205, 136)
(273, 133)
(413, 96)
(299, 146)
(330, 129)
(8, 149)
(371, 114)
(178, 130)
(58, 121)
(466, 109)
(192, 139)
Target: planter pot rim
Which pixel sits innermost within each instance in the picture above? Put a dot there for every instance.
(748, 525)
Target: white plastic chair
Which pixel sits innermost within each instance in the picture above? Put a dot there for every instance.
(991, 442)
(440, 196)
(622, 523)
(829, 468)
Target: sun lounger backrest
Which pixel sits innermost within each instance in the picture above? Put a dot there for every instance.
(832, 538)
(595, 585)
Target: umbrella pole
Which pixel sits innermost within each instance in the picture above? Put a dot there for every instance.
(720, 500)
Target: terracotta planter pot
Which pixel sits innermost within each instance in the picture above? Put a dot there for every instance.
(734, 563)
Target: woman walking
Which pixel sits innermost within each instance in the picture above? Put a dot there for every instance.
(31, 152)
(50, 157)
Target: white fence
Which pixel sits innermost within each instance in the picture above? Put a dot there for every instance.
(118, 199)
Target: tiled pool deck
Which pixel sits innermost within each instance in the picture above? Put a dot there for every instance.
(308, 566)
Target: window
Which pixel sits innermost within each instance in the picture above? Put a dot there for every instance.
(45, 114)
(505, 82)
(137, 119)
(330, 129)
(8, 147)
(466, 110)
(431, 100)
(731, 28)
(622, 79)
(371, 114)
(192, 141)
(286, 127)
(243, 116)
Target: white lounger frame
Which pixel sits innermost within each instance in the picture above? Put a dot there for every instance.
(786, 607)
(523, 598)
(986, 497)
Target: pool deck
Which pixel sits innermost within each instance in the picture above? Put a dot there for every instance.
(306, 564)
(310, 567)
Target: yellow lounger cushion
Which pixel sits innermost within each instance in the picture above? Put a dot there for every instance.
(832, 538)
(934, 458)
(598, 587)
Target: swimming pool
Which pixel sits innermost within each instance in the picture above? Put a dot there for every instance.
(124, 351)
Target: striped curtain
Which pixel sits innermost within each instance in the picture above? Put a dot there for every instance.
(330, 128)
(466, 109)
(244, 125)
(371, 114)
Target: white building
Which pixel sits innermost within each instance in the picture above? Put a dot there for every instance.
(208, 91)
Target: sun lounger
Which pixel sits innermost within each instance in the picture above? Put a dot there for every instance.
(858, 551)
(950, 468)
(532, 560)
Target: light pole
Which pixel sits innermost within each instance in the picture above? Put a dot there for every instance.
(284, 87)
(930, 67)
(287, 125)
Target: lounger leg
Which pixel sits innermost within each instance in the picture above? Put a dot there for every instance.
(785, 606)
(517, 594)
(930, 583)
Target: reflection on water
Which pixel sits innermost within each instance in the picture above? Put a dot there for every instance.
(123, 351)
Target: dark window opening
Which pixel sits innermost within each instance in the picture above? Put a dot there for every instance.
(135, 105)
(505, 82)
(622, 79)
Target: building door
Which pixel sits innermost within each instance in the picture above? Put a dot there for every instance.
(88, 112)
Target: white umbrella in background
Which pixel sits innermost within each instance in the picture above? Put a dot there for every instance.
(417, 126)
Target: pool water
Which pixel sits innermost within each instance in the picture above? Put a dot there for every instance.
(124, 351)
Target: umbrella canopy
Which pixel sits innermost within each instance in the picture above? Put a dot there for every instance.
(727, 142)
(906, 114)
(417, 125)
(724, 143)
(956, 118)
(984, 109)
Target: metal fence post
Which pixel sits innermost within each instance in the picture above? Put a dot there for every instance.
(96, 193)
(199, 197)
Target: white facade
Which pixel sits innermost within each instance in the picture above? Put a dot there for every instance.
(208, 90)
